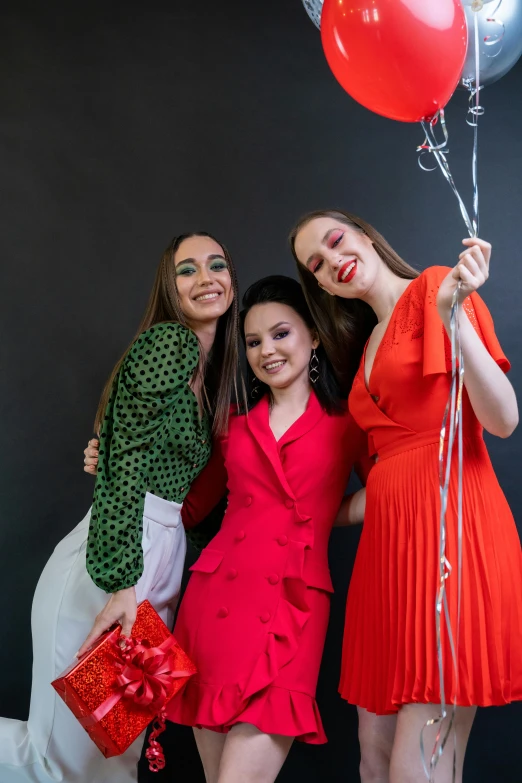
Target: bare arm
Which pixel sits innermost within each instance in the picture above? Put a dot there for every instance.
(351, 510)
(491, 394)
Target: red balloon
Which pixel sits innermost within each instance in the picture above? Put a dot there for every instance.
(399, 58)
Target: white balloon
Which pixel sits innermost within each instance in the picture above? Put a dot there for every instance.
(500, 41)
(314, 9)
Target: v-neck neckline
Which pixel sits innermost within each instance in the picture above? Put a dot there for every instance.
(367, 383)
(287, 432)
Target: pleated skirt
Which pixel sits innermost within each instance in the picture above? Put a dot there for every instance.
(390, 640)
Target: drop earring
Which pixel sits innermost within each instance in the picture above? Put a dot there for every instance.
(313, 372)
(255, 387)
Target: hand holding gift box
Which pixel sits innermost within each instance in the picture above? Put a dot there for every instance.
(118, 687)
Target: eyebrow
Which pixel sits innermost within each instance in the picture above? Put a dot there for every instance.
(272, 328)
(211, 257)
(324, 239)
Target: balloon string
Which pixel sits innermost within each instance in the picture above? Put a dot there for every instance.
(439, 152)
(451, 429)
(478, 111)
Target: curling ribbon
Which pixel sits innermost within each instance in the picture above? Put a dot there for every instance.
(145, 677)
(451, 430)
(154, 753)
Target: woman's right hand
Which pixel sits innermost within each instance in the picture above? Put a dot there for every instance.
(91, 457)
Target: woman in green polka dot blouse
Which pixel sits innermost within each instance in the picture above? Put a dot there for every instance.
(165, 397)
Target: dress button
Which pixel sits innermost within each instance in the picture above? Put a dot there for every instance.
(289, 503)
(223, 612)
(375, 397)
(265, 617)
(182, 489)
(203, 441)
(282, 540)
(240, 535)
(248, 501)
(232, 573)
(195, 465)
(273, 579)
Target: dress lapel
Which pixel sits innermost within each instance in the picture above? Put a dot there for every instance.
(312, 415)
(259, 426)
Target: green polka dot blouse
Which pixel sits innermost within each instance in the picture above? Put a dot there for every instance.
(152, 440)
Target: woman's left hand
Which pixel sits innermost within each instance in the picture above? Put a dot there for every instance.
(472, 271)
(120, 608)
(90, 463)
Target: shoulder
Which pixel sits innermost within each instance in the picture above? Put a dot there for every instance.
(169, 340)
(433, 275)
(162, 357)
(169, 332)
(237, 420)
(343, 421)
(421, 294)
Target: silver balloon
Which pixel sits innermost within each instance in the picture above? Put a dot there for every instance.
(500, 41)
(314, 9)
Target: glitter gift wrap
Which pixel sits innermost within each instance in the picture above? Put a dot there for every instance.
(115, 693)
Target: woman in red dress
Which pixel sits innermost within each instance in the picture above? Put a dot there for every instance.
(255, 612)
(394, 324)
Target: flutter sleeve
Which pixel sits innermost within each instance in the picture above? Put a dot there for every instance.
(144, 398)
(436, 347)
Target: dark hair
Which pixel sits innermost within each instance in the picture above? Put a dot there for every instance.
(219, 371)
(344, 325)
(287, 291)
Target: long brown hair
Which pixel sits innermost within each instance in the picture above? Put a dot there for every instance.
(344, 325)
(219, 369)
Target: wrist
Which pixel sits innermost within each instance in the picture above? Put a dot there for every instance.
(126, 591)
(444, 311)
(445, 315)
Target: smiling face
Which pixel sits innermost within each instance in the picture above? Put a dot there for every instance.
(278, 345)
(203, 280)
(342, 259)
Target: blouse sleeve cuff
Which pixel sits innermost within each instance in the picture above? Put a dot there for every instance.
(110, 586)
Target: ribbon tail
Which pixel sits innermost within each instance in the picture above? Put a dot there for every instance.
(154, 753)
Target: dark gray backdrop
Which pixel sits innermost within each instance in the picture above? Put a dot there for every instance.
(123, 124)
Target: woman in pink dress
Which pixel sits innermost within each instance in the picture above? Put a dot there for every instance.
(255, 612)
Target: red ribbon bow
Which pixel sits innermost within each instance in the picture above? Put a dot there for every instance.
(146, 675)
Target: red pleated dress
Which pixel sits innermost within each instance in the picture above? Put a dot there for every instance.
(254, 615)
(389, 649)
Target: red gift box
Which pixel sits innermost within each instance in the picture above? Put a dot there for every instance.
(115, 690)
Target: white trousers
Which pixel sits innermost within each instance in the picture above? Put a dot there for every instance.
(51, 745)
